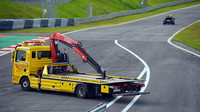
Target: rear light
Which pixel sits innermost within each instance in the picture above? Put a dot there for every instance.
(138, 85)
(134, 84)
(125, 84)
(116, 88)
(142, 85)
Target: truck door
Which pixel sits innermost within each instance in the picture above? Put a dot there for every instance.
(20, 64)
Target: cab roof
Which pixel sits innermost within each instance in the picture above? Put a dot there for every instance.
(34, 47)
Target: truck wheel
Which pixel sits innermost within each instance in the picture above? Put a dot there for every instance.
(81, 91)
(25, 84)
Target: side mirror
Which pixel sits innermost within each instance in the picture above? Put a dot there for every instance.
(12, 56)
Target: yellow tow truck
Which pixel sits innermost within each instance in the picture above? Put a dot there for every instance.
(36, 66)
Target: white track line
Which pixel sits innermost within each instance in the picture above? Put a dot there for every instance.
(113, 101)
(142, 90)
(145, 70)
(169, 40)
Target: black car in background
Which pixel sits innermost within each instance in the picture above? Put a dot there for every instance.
(169, 19)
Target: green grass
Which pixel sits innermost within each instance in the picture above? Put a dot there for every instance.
(77, 8)
(73, 9)
(190, 36)
(10, 10)
(102, 23)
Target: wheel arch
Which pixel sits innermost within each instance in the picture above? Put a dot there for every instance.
(22, 78)
(88, 94)
(80, 83)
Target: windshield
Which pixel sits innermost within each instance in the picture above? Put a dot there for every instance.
(168, 18)
(20, 56)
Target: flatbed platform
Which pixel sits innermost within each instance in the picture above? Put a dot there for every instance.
(90, 78)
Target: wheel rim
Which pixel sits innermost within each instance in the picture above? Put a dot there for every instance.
(81, 91)
(25, 84)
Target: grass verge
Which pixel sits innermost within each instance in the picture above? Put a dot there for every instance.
(11, 10)
(118, 20)
(190, 36)
(72, 9)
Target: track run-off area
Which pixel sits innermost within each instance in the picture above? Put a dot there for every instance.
(137, 49)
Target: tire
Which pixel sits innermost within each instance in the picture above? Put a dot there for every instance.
(25, 84)
(81, 91)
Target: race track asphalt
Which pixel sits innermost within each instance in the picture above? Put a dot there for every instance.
(175, 74)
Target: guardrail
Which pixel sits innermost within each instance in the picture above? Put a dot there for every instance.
(13, 24)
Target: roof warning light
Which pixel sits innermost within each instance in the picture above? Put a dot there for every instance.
(33, 42)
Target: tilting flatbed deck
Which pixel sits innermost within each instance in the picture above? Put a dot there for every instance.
(90, 78)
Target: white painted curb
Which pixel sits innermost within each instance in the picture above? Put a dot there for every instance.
(169, 40)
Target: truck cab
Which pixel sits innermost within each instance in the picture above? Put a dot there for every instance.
(29, 59)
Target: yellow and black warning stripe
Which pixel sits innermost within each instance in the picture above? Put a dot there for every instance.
(63, 77)
(45, 75)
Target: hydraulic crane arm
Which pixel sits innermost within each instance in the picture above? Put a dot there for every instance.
(77, 47)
